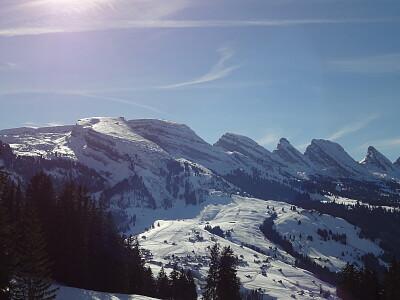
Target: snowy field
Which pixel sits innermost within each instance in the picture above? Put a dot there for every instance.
(186, 243)
(69, 293)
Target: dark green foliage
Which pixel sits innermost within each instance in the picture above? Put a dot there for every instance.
(210, 292)
(260, 187)
(222, 282)
(190, 289)
(215, 230)
(358, 284)
(31, 280)
(148, 286)
(133, 184)
(392, 281)
(179, 286)
(163, 286)
(79, 238)
(228, 284)
(7, 234)
(256, 294)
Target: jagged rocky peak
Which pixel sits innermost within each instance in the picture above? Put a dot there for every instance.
(377, 160)
(283, 143)
(397, 162)
(239, 143)
(289, 154)
(332, 159)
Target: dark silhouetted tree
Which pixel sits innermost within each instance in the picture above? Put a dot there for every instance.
(32, 277)
(392, 281)
(163, 288)
(210, 292)
(228, 284)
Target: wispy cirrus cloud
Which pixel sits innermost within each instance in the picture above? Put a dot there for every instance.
(84, 94)
(124, 101)
(345, 130)
(9, 66)
(378, 64)
(220, 70)
(93, 25)
(383, 143)
(27, 17)
(352, 127)
(271, 137)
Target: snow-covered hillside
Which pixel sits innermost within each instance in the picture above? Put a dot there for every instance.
(186, 242)
(70, 293)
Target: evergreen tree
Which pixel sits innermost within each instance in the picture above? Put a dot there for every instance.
(392, 281)
(163, 288)
(136, 265)
(228, 284)
(348, 283)
(174, 282)
(149, 285)
(182, 286)
(7, 259)
(33, 270)
(369, 285)
(210, 292)
(191, 290)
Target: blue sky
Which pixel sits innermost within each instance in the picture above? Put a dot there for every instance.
(299, 69)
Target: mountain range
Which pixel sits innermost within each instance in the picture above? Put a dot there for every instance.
(172, 162)
(168, 186)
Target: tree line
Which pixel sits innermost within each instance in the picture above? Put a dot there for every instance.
(72, 240)
(376, 223)
(364, 284)
(222, 282)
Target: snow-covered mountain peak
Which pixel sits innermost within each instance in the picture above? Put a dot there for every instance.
(239, 143)
(115, 127)
(376, 161)
(158, 130)
(177, 139)
(332, 159)
(290, 155)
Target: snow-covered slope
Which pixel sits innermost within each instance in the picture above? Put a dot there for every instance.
(43, 141)
(231, 142)
(182, 142)
(70, 293)
(332, 160)
(239, 143)
(186, 242)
